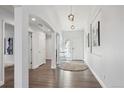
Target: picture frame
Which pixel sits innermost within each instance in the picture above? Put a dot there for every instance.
(96, 34)
(88, 39)
(90, 36)
(99, 33)
(8, 46)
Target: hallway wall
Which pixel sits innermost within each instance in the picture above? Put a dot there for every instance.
(107, 61)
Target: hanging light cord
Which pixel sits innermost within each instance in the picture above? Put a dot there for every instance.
(71, 9)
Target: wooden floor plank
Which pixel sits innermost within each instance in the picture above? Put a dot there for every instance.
(45, 77)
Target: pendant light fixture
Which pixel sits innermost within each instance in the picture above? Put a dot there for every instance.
(71, 16)
(72, 27)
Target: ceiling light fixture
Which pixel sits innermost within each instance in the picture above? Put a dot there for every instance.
(33, 19)
(72, 27)
(71, 16)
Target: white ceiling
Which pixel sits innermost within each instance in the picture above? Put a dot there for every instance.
(8, 8)
(39, 24)
(81, 14)
(57, 15)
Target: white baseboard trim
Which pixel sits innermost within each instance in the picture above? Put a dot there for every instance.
(96, 76)
(35, 67)
(1, 83)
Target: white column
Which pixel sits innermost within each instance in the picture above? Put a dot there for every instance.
(21, 78)
(53, 64)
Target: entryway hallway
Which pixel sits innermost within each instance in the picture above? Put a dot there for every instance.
(45, 77)
(92, 34)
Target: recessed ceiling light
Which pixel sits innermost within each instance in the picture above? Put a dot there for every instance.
(33, 19)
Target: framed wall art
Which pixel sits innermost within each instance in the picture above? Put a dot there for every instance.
(8, 46)
(96, 34)
(88, 39)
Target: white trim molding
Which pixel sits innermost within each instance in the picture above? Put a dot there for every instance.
(97, 77)
(1, 83)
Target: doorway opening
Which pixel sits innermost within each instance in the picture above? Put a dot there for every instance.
(8, 54)
(71, 51)
(39, 35)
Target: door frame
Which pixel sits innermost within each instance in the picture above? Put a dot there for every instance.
(3, 56)
(30, 66)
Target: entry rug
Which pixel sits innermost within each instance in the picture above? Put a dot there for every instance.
(73, 66)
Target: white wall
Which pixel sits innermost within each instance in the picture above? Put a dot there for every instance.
(107, 61)
(38, 49)
(9, 33)
(77, 38)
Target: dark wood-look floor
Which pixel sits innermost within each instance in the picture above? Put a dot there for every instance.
(45, 77)
(9, 77)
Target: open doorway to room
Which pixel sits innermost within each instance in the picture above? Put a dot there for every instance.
(8, 56)
(36, 43)
(71, 50)
(39, 35)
